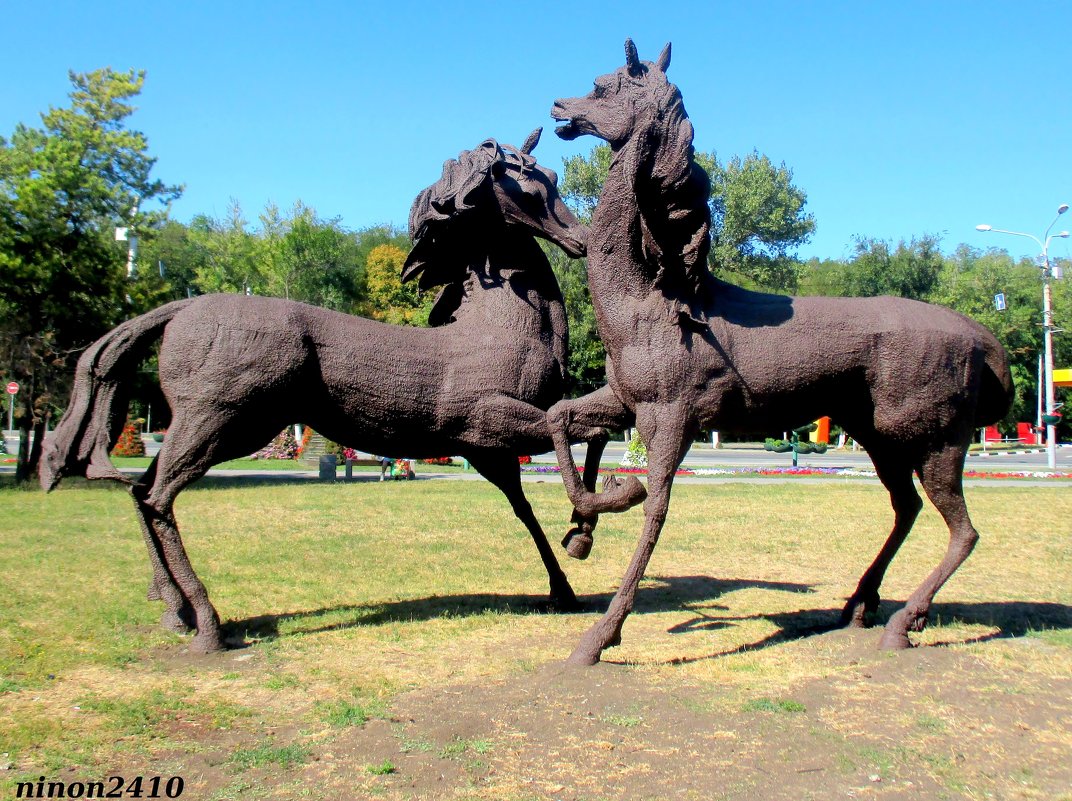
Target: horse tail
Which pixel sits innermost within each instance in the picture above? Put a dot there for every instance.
(95, 416)
(996, 391)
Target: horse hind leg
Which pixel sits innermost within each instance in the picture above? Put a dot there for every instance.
(896, 476)
(505, 474)
(178, 613)
(941, 475)
(190, 449)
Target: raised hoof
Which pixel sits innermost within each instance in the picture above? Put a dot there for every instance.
(578, 543)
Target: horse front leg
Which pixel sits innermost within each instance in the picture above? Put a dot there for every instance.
(666, 431)
(586, 418)
(578, 540)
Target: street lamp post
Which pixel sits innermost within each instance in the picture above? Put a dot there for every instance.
(1047, 328)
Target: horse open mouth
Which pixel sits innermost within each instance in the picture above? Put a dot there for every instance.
(568, 130)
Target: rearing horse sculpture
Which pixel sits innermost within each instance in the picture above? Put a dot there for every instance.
(686, 351)
(235, 370)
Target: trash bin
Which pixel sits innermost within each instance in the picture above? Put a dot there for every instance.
(328, 463)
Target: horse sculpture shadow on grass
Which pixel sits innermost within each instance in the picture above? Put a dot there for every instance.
(1012, 619)
(671, 593)
(687, 352)
(698, 594)
(235, 370)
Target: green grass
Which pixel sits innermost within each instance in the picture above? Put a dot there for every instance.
(285, 756)
(348, 713)
(779, 705)
(458, 746)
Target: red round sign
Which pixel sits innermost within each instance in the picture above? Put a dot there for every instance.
(12, 388)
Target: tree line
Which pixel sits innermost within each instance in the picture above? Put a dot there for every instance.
(65, 279)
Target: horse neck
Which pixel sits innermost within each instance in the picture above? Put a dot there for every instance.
(649, 231)
(615, 262)
(511, 286)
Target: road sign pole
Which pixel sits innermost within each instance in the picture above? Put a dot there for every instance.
(12, 388)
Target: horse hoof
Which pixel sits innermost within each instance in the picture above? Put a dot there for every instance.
(856, 616)
(206, 644)
(564, 604)
(170, 621)
(894, 641)
(578, 543)
(583, 657)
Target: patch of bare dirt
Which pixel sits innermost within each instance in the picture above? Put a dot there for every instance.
(931, 723)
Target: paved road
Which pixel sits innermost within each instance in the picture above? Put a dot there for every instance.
(753, 456)
(750, 455)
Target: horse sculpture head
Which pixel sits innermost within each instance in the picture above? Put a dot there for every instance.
(621, 102)
(639, 113)
(481, 194)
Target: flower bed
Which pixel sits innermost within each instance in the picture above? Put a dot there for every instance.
(553, 468)
(845, 472)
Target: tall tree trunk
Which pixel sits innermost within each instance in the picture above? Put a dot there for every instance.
(37, 447)
(22, 472)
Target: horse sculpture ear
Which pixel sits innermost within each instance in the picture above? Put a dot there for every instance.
(632, 59)
(663, 62)
(532, 141)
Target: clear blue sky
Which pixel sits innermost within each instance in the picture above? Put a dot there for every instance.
(897, 119)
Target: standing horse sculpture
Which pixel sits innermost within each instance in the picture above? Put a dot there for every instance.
(686, 351)
(235, 370)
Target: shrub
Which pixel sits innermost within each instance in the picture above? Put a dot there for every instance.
(307, 434)
(284, 446)
(129, 443)
(636, 455)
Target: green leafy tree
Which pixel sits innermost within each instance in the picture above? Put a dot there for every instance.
(757, 220)
(168, 257)
(64, 187)
(968, 283)
(583, 178)
(226, 254)
(315, 261)
(388, 299)
(909, 270)
(757, 213)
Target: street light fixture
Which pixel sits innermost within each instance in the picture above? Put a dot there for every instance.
(1051, 416)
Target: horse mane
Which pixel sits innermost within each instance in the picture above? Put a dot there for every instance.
(675, 219)
(437, 227)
